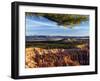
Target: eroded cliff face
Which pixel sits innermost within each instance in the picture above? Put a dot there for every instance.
(39, 57)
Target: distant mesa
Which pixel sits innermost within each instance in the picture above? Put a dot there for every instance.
(55, 38)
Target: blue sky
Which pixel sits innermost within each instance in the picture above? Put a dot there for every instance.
(38, 25)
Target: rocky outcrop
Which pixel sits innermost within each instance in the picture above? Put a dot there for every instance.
(39, 57)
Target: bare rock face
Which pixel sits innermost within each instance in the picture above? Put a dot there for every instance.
(39, 57)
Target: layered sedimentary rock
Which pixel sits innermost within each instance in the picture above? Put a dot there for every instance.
(39, 57)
